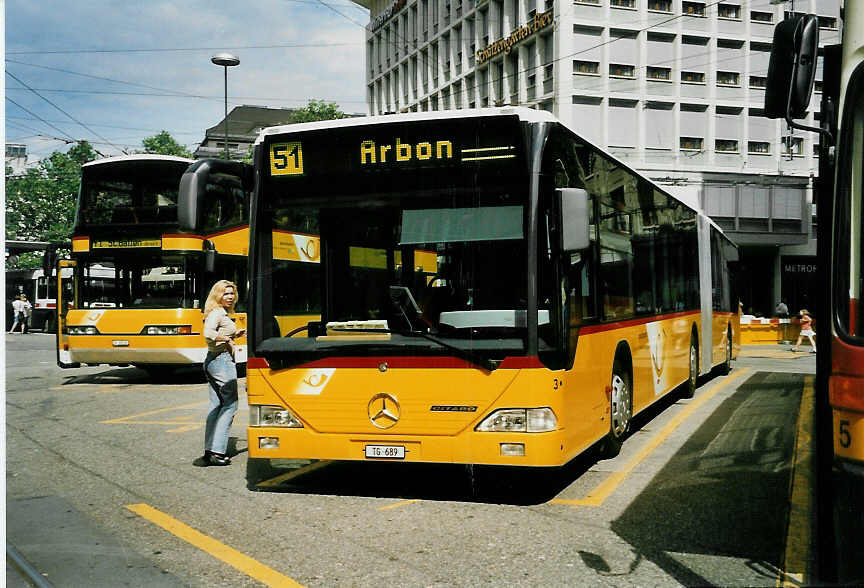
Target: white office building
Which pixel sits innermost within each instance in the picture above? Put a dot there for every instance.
(674, 88)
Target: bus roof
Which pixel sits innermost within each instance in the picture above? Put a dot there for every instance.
(525, 114)
(138, 157)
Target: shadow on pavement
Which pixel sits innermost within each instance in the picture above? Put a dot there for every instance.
(415, 481)
(725, 493)
(134, 375)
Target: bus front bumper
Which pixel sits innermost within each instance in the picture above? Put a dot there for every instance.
(154, 349)
(516, 449)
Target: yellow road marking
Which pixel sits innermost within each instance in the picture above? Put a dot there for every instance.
(252, 568)
(185, 429)
(603, 490)
(127, 420)
(798, 552)
(293, 474)
(397, 504)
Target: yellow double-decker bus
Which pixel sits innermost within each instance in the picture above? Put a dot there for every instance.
(151, 235)
(492, 289)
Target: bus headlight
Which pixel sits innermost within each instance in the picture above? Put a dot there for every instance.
(272, 416)
(519, 420)
(82, 331)
(167, 330)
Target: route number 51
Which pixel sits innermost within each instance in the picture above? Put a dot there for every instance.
(286, 159)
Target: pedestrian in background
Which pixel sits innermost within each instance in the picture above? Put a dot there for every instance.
(27, 309)
(17, 314)
(806, 330)
(221, 371)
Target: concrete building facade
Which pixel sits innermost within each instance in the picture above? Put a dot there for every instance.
(674, 88)
(16, 157)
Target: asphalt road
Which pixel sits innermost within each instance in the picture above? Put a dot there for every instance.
(102, 491)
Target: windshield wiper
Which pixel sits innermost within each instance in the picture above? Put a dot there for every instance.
(469, 356)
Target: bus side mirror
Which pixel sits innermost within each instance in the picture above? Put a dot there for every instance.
(49, 260)
(187, 203)
(209, 256)
(573, 204)
(792, 69)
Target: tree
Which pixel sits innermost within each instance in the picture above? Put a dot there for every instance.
(317, 110)
(164, 144)
(40, 204)
(314, 110)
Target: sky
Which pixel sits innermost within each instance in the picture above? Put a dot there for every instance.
(114, 72)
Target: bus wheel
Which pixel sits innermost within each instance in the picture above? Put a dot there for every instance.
(690, 389)
(727, 365)
(621, 410)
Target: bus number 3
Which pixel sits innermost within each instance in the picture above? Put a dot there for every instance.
(845, 435)
(556, 383)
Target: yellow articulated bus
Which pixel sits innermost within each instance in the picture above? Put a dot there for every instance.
(492, 289)
(152, 234)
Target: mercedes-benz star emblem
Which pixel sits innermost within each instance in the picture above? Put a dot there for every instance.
(383, 410)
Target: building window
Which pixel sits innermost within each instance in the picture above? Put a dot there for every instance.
(693, 77)
(758, 16)
(760, 147)
(623, 3)
(725, 146)
(586, 67)
(690, 143)
(760, 82)
(728, 78)
(619, 70)
(792, 145)
(730, 11)
(660, 5)
(660, 73)
(595, 2)
(693, 8)
(827, 22)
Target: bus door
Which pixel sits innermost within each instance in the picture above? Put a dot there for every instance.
(67, 298)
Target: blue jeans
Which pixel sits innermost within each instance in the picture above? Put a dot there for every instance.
(222, 375)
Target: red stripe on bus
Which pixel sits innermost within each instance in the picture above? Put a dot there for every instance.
(634, 322)
(283, 231)
(253, 363)
(181, 236)
(398, 362)
(226, 231)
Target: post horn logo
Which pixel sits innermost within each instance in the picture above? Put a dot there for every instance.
(384, 410)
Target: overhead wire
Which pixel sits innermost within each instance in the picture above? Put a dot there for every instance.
(75, 120)
(61, 131)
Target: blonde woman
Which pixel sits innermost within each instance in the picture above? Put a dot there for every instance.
(221, 372)
(806, 330)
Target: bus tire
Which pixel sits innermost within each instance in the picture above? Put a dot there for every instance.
(693, 363)
(620, 409)
(726, 367)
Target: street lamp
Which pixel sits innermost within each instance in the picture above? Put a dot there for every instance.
(226, 60)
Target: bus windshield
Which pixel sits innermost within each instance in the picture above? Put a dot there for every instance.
(130, 192)
(416, 264)
(141, 282)
(434, 245)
